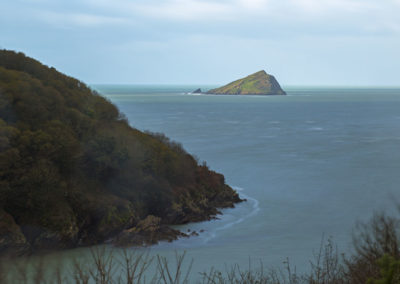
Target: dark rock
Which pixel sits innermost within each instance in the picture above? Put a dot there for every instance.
(148, 231)
(197, 91)
(12, 240)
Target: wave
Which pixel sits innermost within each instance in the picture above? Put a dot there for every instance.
(191, 94)
(216, 226)
(316, 128)
(254, 210)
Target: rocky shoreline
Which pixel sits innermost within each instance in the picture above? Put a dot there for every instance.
(151, 230)
(146, 232)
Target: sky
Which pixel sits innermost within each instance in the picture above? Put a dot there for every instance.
(300, 42)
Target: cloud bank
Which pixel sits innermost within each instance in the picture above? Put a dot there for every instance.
(143, 37)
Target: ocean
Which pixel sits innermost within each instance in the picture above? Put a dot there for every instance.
(310, 164)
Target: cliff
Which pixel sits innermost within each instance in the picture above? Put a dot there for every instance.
(74, 172)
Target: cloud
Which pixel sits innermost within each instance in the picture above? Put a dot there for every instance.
(77, 19)
(330, 6)
(128, 40)
(57, 14)
(197, 9)
(348, 15)
(186, 10)
(176, 10)
(158, 20)
(218, 16)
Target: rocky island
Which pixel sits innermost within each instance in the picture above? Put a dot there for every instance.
(259, 83)
(73, 172)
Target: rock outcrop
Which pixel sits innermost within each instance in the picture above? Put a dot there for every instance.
(12, 240)
(259, 83)
(148, 232)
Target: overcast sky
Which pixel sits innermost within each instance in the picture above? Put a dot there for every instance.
(301, 42)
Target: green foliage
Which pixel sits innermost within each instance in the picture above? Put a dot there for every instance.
(389, 271)
(69, 159)
(259, 83)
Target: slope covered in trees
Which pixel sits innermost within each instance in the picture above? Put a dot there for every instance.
(73, 172)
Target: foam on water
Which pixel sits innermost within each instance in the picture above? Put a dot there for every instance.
(255, 208)
(191, 94)
(229, 218)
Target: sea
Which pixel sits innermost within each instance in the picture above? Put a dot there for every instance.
(311, 165)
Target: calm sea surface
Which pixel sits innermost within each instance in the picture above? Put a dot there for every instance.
(311, 163)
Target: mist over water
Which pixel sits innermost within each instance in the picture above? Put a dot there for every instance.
(309, 164)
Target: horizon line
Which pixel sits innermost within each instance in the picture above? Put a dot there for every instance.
(210, 84)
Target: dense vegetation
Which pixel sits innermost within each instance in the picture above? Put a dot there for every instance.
(259, 83)
(73, 172)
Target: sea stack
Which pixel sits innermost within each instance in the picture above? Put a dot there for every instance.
(259, 83)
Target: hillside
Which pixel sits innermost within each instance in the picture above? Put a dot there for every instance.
(74, 172)
(259, 83)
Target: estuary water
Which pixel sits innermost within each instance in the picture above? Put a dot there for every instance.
(310, 164)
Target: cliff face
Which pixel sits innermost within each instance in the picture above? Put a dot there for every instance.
(73, 172)
(259, 83)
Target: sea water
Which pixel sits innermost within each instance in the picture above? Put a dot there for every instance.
(310, 164)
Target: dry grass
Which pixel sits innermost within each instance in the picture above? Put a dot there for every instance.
(376, 259)
(372, 241)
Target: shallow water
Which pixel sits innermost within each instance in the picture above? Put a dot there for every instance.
(310, 164)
